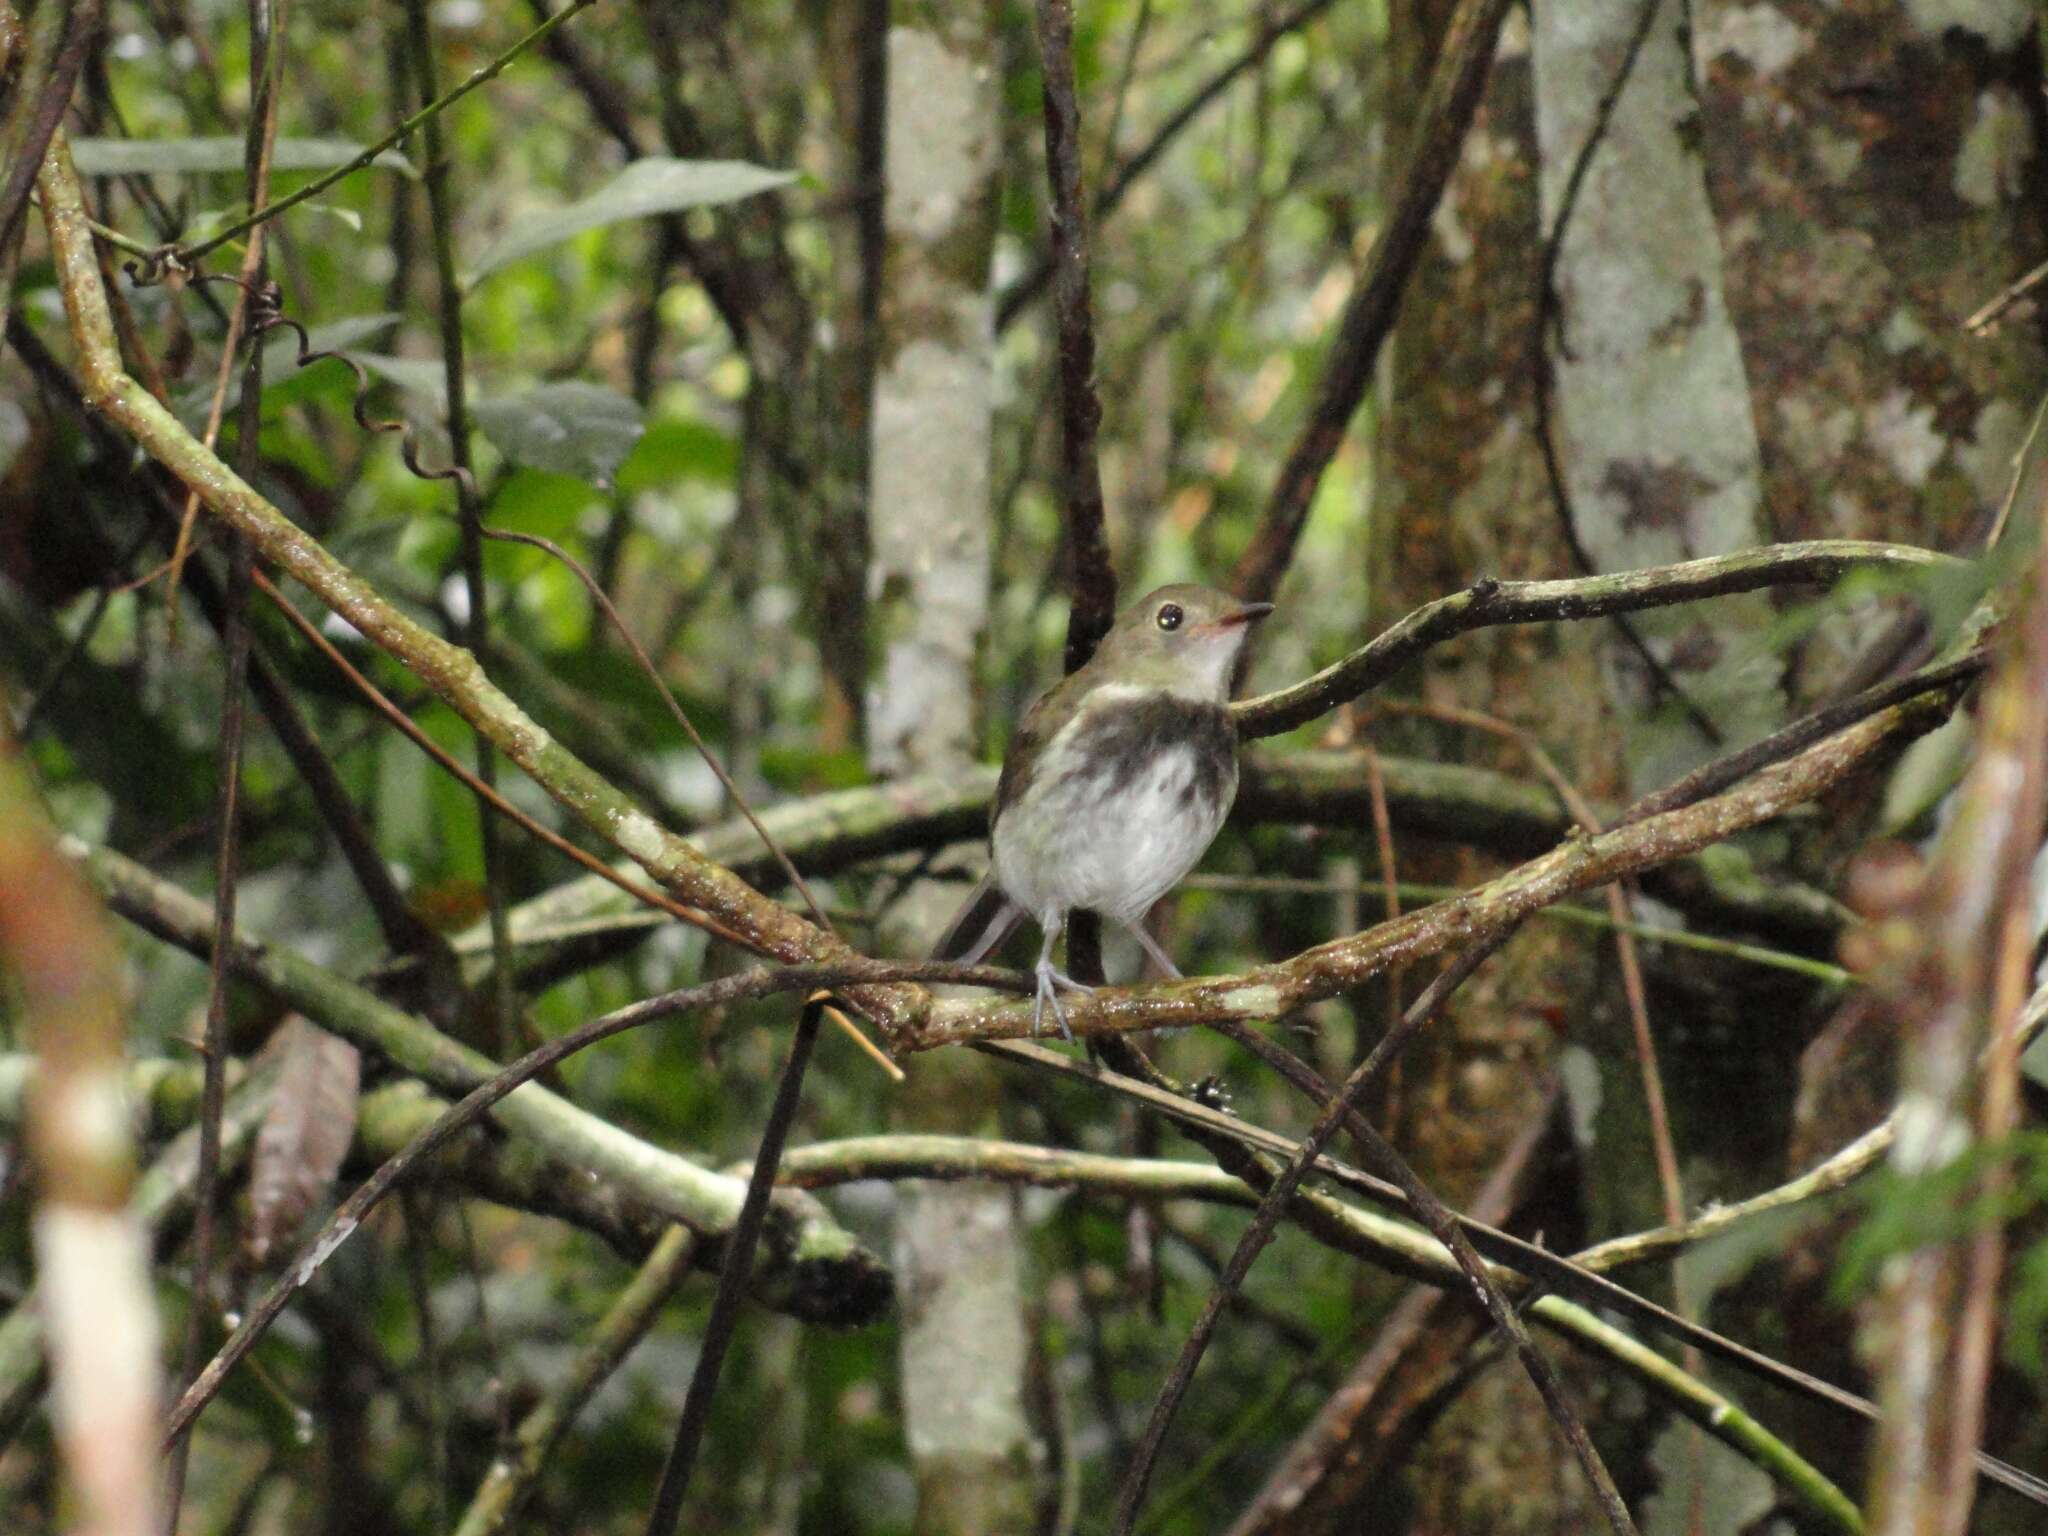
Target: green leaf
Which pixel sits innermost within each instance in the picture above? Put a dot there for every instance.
(202, 156)
(14, 433)
(644, 188)
(425, 377)
(677, 449)
(573, 428)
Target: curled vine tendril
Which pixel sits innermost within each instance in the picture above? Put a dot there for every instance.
(266, 314)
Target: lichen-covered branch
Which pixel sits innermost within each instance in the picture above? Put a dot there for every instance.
(1378, 1239)
(818, 1265)
(451, 672)
(1955, 996)
(92, 1256)
(1581, 863)
(1488, 602)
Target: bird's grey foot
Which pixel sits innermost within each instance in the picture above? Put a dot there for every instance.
(1050, 984)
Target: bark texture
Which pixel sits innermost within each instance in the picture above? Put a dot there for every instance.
(1459, 493)
(959, 1268)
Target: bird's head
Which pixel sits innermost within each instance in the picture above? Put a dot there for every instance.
(1182, 638)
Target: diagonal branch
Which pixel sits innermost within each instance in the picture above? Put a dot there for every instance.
(1091, 576)
(452, 673)
(1018, 296)
(1488, 602)
(1368, 318)
(1580, 863)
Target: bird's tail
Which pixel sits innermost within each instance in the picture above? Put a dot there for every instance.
(987, 918)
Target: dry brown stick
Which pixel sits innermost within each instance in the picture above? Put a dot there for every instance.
(1669, 1184)
(1955, 991)
(1580, 863)
(266, 19)
(1091, 578)
(92, 1256)
(1489, 602)
(1445, 116)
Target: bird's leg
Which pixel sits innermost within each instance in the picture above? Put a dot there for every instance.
(1050, 980)
(1151, 947)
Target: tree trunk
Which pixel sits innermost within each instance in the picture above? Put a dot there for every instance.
(959, 1264)
(1459, 493)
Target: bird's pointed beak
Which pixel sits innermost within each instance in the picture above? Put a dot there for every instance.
(1245, 615)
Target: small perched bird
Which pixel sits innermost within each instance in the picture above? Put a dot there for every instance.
(1115, 783)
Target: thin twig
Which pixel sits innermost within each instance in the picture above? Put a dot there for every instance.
(186, 255)
(1019, 295)
(398, 717)
(1445, 115)
(1091, 576)
(266, 54)
(475, 625)
(1987, 315)
(1488, 602)
(598, 595)
(736, 1265)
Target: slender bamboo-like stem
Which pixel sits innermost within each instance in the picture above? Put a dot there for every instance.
(186, 255)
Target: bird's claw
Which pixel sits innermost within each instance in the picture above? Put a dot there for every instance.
(1050, 981)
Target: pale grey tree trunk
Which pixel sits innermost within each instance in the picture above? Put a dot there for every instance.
(1652, 418)
(1761, 293)
(959, 1268)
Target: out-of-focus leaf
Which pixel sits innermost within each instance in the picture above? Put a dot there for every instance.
(421, 376)
(1698, 1475)
(1926, 772)
(199, 156)
(537, 501)
(305, 1133)
(644, 188)
(13, 433)
(676, 450)
(572, 427)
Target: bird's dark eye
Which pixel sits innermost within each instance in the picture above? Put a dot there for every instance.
(1169, 616)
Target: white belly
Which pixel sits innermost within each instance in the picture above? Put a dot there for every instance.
(1077, 843)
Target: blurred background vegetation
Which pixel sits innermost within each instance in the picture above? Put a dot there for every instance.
(682, 394)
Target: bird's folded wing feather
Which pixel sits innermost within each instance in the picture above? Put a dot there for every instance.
(987, 918)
